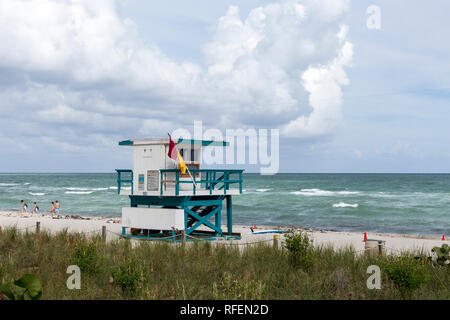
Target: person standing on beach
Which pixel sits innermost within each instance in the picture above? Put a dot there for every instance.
(36, 208)
(24, 206)
(57, 205)
(52, 210)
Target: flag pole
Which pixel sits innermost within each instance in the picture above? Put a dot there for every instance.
(192, 178)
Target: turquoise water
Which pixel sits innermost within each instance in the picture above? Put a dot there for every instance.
(399, 203)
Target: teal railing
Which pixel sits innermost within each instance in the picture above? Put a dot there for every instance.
(121, 179)
(204, 179)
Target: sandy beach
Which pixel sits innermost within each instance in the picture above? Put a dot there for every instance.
(91, 225)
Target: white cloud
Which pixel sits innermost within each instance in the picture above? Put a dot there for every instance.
(325, 96)
(78, 64)
(267, 62)
(154, 127)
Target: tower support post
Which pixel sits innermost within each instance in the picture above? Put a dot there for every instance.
(229, 215)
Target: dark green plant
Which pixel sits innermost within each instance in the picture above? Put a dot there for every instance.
(86, 256)
(299, 246)
(127, 276)
(28, 287)
(443, 255)
(407, 273)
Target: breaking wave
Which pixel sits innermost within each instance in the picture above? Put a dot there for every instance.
(345, 205)
(79, 192)
(86, 189)
(319, 192)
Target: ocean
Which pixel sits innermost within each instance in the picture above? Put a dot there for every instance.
(391, 203)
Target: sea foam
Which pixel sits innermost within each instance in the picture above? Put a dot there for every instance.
(79, 192)
(37, 193)
(86, 189)
(319, 192)
(345, 205)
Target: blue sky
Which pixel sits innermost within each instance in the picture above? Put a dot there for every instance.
(76, 77)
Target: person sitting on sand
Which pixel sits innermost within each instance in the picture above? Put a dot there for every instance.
(52, 209)
(57, 205)
(36, 208)
(24, 206)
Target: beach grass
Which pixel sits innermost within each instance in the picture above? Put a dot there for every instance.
(125, 269)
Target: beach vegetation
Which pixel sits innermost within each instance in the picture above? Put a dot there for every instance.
(442, 255)
(27, 287)
(131, 269)
(86, 256)
(126, 275)
(406, 272)
(299, 246)
(231, 287)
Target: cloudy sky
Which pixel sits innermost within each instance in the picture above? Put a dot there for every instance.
(78, 76)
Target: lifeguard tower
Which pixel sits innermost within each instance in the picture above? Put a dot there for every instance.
(166, 204)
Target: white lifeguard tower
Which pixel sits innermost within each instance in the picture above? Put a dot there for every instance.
(164, 203)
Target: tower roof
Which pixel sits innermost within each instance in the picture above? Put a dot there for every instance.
(159, 141)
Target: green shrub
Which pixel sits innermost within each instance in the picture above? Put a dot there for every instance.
(299, 246)
(406, 272)
(442, 255)
(87, 257)
(127, 276)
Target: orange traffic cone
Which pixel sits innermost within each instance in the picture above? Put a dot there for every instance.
(443, 237)
(365, 237)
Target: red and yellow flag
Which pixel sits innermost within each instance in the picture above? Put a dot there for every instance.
(181, 163)
(172, 150)
(175, 154)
